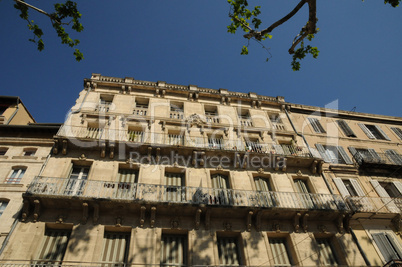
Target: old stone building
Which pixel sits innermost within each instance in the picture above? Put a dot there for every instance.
(150, 173)
(24, 147)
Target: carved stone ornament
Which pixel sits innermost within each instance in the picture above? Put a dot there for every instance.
(227, 226)
(260, 170)
(322, 228)
(276, 227)
(299, 173)
(195, 119)
(219, 167)
(82, 157)
(175, 223)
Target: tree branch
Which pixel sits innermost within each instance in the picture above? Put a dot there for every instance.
(258, 35)
(33, 7)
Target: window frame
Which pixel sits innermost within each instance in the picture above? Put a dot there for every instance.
(316, 125)
(234, 251)
(49, 234)
(374, 131)
(184, 244)
(16, 174)
(125, 236)
(3, 206)
(390, 237)
(290, 260)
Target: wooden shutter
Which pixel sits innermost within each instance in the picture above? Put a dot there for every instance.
(3, 205)
(366, 131)
(357, 187)
(128, 176)
(279, 149)
(345, 156)
(228, 251)
(398, 186)
(397, 131)
(394, 156)
(374, 155)
(323, 153)
(115, 247)
(345, 128)
(174, 182)
(173, 250)
(219, 181)
(301, 186)
(54, 245)
(326, 252)
(315, 153)
(341, 187)
(389, 203)
(387, 246)
(280, 251)
(382, 132)
(262, 184)
(315, 123)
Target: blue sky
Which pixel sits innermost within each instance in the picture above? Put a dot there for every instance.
(186, 42)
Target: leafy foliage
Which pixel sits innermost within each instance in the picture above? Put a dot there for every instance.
(247, 19)
(62, 12)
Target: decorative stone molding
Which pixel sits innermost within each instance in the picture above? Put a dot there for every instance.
(36, 213)
(322, 228)
(227, 226)
(339, 223)
(249, 220)
(260, 171)
(153, 215)
(25, 210)
(119, 221)
(304, 222)
(111, 150)
(84, 213)
(64, 151)
(258, 220)
(276, 227)
(197, 218)
(296, 222)
(102, 147)
(175, 223)
(82, 157)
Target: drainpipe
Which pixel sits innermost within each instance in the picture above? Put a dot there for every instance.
(302, 136)
(359, 247)
(15, 112)
(5, 242)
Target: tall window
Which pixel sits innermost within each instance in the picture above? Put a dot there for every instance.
(3, 205)
(176, 110)
(220, 195)
(386, 191)
(115, 248)
(326, 252)
(175, 139)
(135, 136)
(373, 131)
(127, 179)
(105, 102)
(141, 107)
(174, 183)
(174, 250)
(263, 186)
(77, 180)
(211, 114)
(280, 252)
(253, 145)
(333, 154)
(215, 142)
(315, 123)
(54, 246)
(345, 128)
(228, 251)
(352, 188)
(303, 188)
(388, 245)
(15, 175)
(245, 118)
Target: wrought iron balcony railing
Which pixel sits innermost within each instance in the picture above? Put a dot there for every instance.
(372, 158)
(151, 138)
(375, 204)
(152, 193)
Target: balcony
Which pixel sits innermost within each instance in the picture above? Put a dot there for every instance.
(152, 193)
(245, 121)
(140, 111)
(374, 162)
(162, 139)
(375, 205)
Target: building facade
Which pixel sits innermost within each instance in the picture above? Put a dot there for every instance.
(156, 174)
(24, 147)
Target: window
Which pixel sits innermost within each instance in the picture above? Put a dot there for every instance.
(215, 142)
(276, 121)
(175, 139)
(280, 252)
(16, 175)
(115, 248)
(394, 157)
(304, 197)
(3, 206)
(94, 132)
(174, 250)
(397, 131)
(105, 103)
(135, 136)
(345, 128)
(176, 110)
(141, 107)
(388, 245)
(315, 123)
(351, 188)
(174, 190)
(3, 151)
(77, 180)
(228, 251)
(211, 114)
(253, 145)
(244, 118)
(263, 186)
(54, 246)
(326, 252)
(127, 180)
(219, 194)
(29, 152)
(373, 132)
(333, 154)
(362, 155)
(386, 191)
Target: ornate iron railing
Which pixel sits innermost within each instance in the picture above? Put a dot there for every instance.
(369, 158)
(375, 204)
(182, 194)
(152, 138)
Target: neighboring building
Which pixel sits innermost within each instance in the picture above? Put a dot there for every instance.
(24, 147)
(149, 173)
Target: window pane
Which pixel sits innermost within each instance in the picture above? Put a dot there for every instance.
(280, 251)
(54, 245)
(173, 250)
(3, 205)
(228, 251)
(327, 254)
(115, 247)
